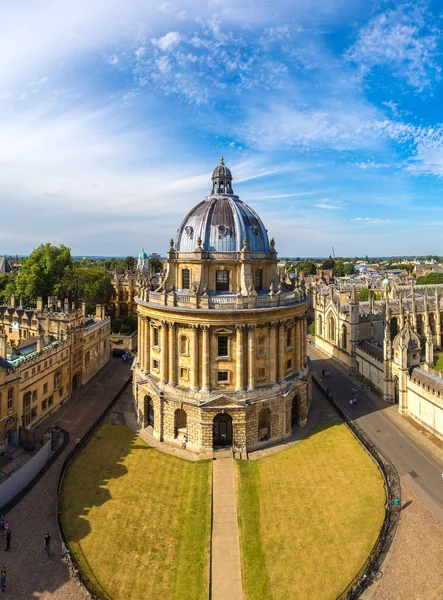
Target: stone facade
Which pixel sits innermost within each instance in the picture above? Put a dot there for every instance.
(45, 354)
(390, 342)
(222, 339)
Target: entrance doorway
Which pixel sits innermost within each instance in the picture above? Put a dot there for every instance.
(149, 411)
(294, 411)
(76, 381)
(222, 430)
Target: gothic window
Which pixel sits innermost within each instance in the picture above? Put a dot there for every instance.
(344, 337)
(258, 279)
(186, 279)
(222, 342)
(331, 328)
(222, 281)
(320, 326)
(184, 345)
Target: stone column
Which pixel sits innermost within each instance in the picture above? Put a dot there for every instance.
(251, 357)
(147, 345)
(239, 358)
(206, 380)
(164, 353)
(140, 340)
(273, 354)
(194, 357)
(297, 344)
(281, 351)
(172, 354)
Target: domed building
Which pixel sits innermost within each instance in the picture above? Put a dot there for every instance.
(222, 339)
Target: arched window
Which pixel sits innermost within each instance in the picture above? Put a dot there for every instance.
(288, 337)
(332, 328)
(320, 326)
(180, 423)
(344, 337)
(183, 345)
(394, 327)
(186, 279)
(258, 279)
(420, 325)
(264, 424)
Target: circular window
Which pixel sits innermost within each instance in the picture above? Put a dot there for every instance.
(255, 230)
(222, 230)
(188, 230)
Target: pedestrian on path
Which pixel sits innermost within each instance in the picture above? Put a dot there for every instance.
(47, 543)
(323, 372)
(8, 540)
(397, 503)
(184, 442)
(77, 442)
(3, 579)
(349, 372)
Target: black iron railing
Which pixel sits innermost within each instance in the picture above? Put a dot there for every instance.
(370, 569)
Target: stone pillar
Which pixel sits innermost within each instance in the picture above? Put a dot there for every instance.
(172, 354)
(239, 358)
(273, 358)
(297, 344)
(194, 357)
(281, 351)
(164, 353)
(251, 357)
(146, 342)
(140, 340)
(206, 380)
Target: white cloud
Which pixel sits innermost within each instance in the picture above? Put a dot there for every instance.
(404, 40)
(167, 42)
(327, 205)
(373, 220)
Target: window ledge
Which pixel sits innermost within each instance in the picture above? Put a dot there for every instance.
(224, 358)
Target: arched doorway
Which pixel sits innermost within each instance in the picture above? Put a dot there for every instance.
(264, 424)
(294, 411)
(76, 381)
(180, 423)
(222, 430)
(396, 389)
(149, 411)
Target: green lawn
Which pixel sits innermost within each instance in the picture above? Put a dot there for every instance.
(309, 517)
(137, 519)
(438, 361)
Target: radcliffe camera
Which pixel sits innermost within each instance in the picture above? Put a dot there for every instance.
(221, 300)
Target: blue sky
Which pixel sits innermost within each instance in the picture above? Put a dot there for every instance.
(329, 113)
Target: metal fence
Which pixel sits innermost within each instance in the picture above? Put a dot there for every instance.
(370, 570)
(91, 584)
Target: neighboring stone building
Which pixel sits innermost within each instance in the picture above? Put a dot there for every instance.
(5, 266)
(126, 289)
(45, 354)
(390, 342)
(222, 340)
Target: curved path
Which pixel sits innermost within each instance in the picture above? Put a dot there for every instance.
(30, 574)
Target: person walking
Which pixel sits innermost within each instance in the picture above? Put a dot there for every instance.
(3, 579)
(8, 540)
(47, 543)
(77, 442)
(184, 442)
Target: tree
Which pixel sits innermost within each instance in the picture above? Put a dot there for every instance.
(129, 263)
(349, 269)
(92, 285)
(431, 278)
(328, 264)
(339, 268)
(307, 267)
(42, 272)
(311, 328)
(155, 264)
(363, 294)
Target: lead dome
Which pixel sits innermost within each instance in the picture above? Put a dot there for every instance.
(222, 221)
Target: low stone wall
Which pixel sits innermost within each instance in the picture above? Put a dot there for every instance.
(128, 342)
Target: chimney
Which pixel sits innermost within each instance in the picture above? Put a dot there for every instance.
(84, 309)
(59, 305)
(40, 342)
(39, 304)
(12, 301)
(98, 312)
(3, 344)
(66, 305)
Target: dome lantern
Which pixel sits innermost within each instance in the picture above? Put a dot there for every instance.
(222, 179)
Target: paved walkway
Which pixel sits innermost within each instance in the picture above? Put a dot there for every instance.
(419, 469)
(30, 575)
(226, 567)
